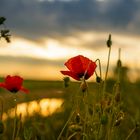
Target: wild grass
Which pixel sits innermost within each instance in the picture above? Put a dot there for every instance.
(107, 109)
(48, 128)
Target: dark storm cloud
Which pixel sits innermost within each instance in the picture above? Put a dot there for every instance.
(33, 19)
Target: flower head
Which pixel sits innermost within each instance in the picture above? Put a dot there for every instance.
(80, 67)
(13, 84)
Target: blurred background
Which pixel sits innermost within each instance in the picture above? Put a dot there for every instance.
(45, 33)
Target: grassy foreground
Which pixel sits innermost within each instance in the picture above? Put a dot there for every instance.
(48, 128)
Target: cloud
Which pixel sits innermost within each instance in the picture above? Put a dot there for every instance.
(28, 61)
(34, 19)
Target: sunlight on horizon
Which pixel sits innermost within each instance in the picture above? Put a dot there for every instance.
(59, 50)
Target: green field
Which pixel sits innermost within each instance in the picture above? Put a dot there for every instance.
(37, 127)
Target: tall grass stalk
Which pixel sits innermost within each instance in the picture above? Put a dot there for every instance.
(67, 122)
(108, 60)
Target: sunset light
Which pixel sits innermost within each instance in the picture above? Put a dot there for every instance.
(49, 51)
(69, 69)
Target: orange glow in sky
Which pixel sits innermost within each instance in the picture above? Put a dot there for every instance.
(56, 50)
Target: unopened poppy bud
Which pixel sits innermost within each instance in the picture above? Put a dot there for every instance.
(2, 19)
(1, 127)
(109, 42)
(77, 118)
(98, 79)
(104, 119)
(83, 86)
(66, 81)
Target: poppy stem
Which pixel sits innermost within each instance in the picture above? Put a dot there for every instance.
(59, 137)
(100, 68)
(130, 134)
(106, 74)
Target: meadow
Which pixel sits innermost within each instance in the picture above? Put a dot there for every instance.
(38, 127)
(107, 109)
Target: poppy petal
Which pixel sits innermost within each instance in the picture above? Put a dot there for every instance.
(90, 70)
(24, 90)
(74, 64)
(71, 74)
(13, 81)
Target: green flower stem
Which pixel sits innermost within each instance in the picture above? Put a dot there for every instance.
(111, 116)
(100, 84)
(85, 119)
(71, 115)
(130, 134)
(18, 126)
(75, 108)
(100, 68)
(106, 74)
(72, 136)
(86, 93)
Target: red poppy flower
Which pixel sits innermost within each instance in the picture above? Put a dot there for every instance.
(13, 84)
(79, 66)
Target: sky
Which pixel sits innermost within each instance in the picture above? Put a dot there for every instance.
(45, 33)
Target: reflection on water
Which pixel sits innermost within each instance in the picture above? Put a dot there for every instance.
(43, 107)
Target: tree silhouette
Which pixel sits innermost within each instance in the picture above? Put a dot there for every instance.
(4, 32)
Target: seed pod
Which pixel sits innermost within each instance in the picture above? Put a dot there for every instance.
(66, 81)
(109, 42)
